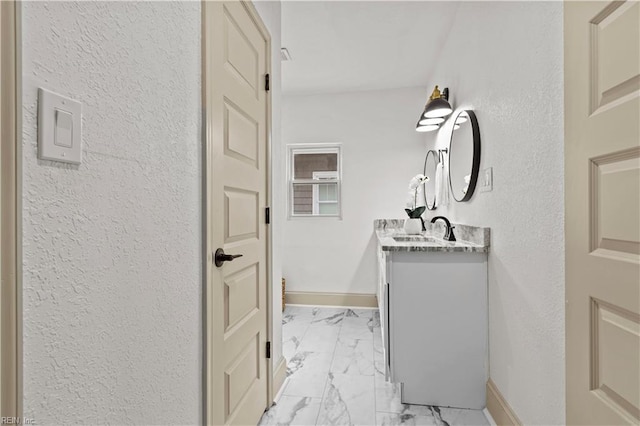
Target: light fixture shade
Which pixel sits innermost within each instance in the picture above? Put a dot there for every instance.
(427, 128)
(428, 121)
(437, 108)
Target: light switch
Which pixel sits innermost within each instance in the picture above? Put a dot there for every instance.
(64, 129)
(59, 128)
(486, 180)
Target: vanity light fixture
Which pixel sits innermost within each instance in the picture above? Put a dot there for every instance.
(438, 105)
(435, 111)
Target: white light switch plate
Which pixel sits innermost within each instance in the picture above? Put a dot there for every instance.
(486, 180)
(59, 128)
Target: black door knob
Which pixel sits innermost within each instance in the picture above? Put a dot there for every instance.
(219, 258)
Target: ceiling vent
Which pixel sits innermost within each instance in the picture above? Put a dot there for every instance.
(284, 54)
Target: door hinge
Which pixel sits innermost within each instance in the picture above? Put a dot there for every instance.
(267, 215)
(266, 82)
(268, 349)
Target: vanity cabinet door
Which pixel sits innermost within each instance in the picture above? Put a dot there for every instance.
(385, 335)
(383, 305)
(382, 277)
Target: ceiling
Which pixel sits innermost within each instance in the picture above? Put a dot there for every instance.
(342, 46)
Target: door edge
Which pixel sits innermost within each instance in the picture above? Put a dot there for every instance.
(11, 323)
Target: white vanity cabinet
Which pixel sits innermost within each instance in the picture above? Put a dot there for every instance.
(433, 312)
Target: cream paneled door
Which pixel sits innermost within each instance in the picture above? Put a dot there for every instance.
(237, 61)
(602, 194)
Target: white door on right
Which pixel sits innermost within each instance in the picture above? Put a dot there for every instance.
(602, 222)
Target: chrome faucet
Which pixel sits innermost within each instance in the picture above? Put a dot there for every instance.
(448, 236)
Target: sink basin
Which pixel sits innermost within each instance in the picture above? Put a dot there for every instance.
(415, 238)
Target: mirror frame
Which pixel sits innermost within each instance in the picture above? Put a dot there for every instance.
(424, 185)
(475, 165)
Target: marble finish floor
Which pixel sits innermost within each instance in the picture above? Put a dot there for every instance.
(336, 375)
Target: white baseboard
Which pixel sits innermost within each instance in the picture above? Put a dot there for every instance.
(487, 414)
(501, 413)
(284, 385)
(279, 377)
(331, 299)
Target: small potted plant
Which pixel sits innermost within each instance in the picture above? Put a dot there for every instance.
(415, 224)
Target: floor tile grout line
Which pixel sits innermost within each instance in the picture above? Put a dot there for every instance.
(330, 362)
(306, 330)
(324, 390)
(296, 351)
(304, 334)
(326, 382)
(373, 354)
(297, 348)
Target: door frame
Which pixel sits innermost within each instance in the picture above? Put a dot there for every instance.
(207, 195)
(10, 325)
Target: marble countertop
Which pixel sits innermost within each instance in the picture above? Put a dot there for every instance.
(470, 239)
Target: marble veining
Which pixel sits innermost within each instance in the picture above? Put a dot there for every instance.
(384, 224)
(335, 375)
(472, 234)
(293, 410)
(348, 400)
(470, 239)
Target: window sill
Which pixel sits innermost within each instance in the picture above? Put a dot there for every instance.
(314, 217)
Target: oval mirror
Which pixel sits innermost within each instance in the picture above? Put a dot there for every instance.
(464, 156)
(429, 190)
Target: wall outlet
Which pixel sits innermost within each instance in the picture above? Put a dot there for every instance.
(486, 180)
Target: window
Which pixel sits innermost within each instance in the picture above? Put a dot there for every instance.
(314, 180)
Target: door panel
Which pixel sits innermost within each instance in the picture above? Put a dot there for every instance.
(242, 294)
(242, 374)
(242, 138)
(237, 110)
(615, 354)
(240, 55)
(615, 205)
(241, 214)
(602, 202)
(614, 39)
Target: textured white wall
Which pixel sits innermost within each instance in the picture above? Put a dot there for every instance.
(112, 248)
(504, 60)
(381, 153)
(270, 13)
